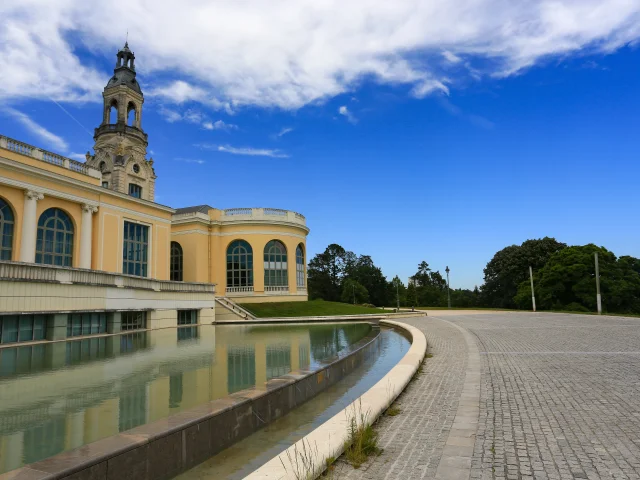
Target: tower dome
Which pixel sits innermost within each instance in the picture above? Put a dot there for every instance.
(120, 142)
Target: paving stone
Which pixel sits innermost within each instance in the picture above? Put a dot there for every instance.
(558, 400)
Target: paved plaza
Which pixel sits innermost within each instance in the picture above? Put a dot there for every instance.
(517, 396)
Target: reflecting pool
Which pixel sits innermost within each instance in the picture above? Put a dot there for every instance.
(59, 396)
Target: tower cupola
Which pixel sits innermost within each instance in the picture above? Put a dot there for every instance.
(120, 142)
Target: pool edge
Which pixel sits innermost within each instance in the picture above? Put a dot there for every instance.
(327, 441)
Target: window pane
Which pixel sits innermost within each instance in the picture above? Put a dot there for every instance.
(26, 328)
(39, 327)
(9, 329)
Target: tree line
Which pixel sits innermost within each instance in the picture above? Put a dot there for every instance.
(564, 279)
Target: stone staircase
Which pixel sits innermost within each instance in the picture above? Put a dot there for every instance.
(227, 309)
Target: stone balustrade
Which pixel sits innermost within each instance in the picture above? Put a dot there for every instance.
(48, 157)
(29, 272)
(262, 214)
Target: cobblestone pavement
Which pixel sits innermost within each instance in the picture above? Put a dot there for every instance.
(559, 399)
(413, 440)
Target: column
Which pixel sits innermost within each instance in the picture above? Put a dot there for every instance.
(85, 234)
(29, 226)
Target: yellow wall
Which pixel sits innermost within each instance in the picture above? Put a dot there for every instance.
(204, 243)
(195, 238)
(107, 224)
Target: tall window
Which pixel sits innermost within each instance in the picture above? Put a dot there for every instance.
(299, 266)
(239, 264)
(135, 190)
(275, 264)
(6, 230)
(187, 317)
(55, 238)
(22, 328)
(175, 262)
(133, 320)
(135, 249)
(86, 324)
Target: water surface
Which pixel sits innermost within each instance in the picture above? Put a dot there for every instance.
(242, 458)
(59, 396)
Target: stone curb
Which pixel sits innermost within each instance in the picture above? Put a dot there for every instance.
(455, 462)
(327, 441)
(326, 318)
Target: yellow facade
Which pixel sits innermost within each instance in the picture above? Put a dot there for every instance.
(210, 235)
(19, 174)
(88, 238)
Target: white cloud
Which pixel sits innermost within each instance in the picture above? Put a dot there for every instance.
(196, 117)
(450, 57)
(344, 111)
(190, 160)
(456, 111)
(51, 139)
(78, 156)
(219, 125)
(284, 131)
(293, 52)
(255, 152)
(169, 115)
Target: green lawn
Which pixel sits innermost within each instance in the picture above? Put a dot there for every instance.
(307, 309)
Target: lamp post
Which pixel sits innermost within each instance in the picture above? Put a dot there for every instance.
(397, 296)
(354, 293)
(448, 288)
(598, 296)
(533, 293)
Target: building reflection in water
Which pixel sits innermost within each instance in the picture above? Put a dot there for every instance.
(59, 396)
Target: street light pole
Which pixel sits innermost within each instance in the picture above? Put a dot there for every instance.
(598, 296)
(397, 296)
(448, 288)
(533, 295)
(354, 293)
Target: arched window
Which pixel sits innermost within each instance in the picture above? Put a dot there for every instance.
(6, 230)
(275, 266)
(55, 238)
(131, 115)
(239, 267)
(176, 262)
(300, 266)
(113, 112)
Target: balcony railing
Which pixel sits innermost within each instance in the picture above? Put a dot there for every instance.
(29, 272)
(48, 157)
(121, 128)
(239, 289)
(270, 289)
(262, 214)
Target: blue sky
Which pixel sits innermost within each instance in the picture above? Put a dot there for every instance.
(442, 146)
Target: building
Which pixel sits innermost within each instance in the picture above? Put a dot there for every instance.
(85, 250)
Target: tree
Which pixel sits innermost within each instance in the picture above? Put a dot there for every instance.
(351, 290)
(510, 267)
(567, 282)
(364, 271)
(397, 290)
(325, 273)
(412, 295)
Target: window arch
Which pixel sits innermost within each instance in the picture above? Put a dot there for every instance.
(300, 266)
(55, 238)
(6, 230)
(175, 263)
(132, 118)
(275, 265)
(239, 267)
(112, 113)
